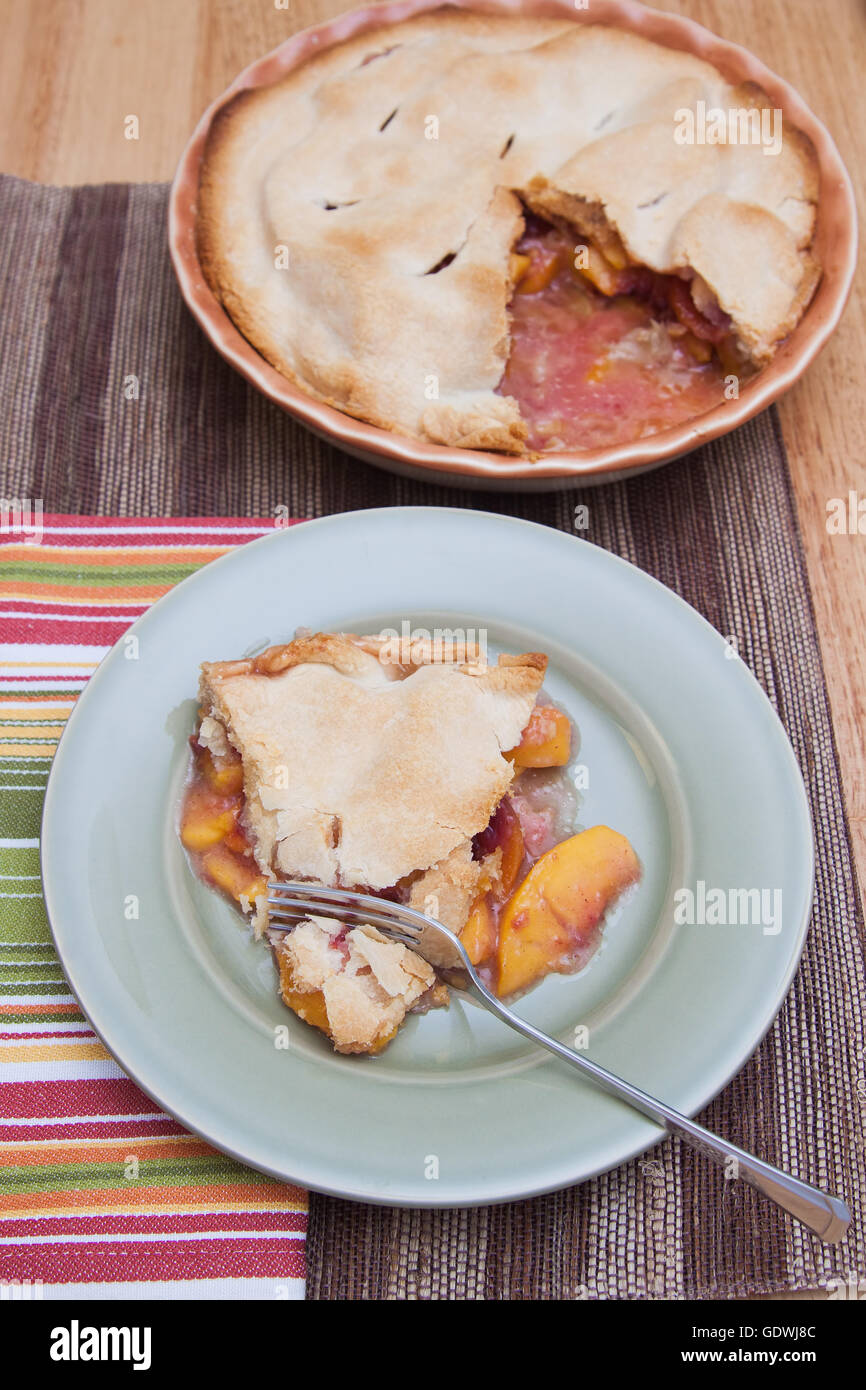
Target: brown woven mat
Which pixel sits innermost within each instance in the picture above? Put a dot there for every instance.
(87, 300)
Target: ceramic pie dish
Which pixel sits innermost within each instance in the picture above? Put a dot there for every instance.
(559, 283)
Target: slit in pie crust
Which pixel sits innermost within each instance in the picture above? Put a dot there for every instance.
(364, 222)
(433, 778)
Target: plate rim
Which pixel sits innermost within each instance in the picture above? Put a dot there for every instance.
(357, 1193)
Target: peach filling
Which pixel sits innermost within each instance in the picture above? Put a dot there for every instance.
(211, 828)
(310, 1004)
(546, 740)
(606, 352)
(542, 911)
(541, 899)
(551, 922)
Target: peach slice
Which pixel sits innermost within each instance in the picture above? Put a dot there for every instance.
(518, 265)
(513, 851)
(206, 820)
(234, 875)
(546, 740)
(479, 934)
(310, 1006)
(504, 833)
(225, 776)
(697, 348)
(560, 903)
(237, 841)
(541, 267)
(613, 250)
(598, 270)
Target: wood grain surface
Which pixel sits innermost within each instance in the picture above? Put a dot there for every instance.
(73, 71)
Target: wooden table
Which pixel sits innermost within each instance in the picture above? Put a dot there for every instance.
(71, 73)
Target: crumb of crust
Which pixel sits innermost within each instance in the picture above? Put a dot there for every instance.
(447, 890)
(367, 986)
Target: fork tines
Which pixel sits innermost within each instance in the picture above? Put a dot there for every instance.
(293, 902)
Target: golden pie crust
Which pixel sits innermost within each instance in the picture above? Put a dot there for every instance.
(357, 218)
(357, 773)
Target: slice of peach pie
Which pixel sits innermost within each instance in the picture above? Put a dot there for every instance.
(430, 777)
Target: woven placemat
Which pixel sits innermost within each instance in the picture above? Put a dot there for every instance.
(111, 401)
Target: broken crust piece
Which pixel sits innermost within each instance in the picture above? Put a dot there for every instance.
(448, 890)
(357, 985)
(358, 774)
(394, 302)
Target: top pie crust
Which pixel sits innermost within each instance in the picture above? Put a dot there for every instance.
(360, 771)
(374, 163)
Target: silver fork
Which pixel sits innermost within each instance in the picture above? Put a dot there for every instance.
(289, 903)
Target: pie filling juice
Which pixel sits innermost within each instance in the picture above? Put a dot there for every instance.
(605, 354)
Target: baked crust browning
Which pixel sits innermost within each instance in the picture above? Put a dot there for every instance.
(357, 218)
(357, 772)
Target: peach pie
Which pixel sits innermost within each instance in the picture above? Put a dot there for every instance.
(509, 233)
(431, 777)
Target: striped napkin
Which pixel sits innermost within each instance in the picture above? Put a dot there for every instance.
(101, 1194)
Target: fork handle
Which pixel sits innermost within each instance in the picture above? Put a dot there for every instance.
(826, 1215)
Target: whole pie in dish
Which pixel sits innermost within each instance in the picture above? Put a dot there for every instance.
(494, 231)
(431, 777)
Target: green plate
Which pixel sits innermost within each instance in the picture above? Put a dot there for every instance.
(681, 751)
